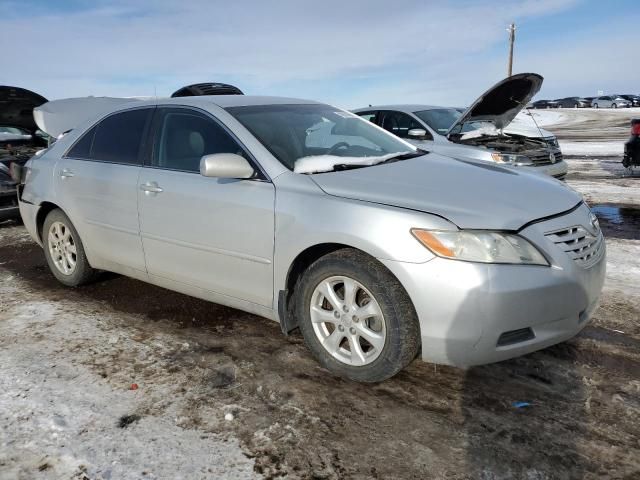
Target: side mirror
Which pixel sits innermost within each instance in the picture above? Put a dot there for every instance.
(225, 165)
(417, 133)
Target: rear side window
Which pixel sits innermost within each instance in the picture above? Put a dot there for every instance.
(82, 149)
(117, 139)
(185, 136)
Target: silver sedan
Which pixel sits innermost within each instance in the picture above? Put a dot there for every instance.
(311, 216)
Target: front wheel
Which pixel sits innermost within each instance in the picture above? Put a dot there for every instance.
(595, 105)
(356, 318)
(614, 105)
(64, 251)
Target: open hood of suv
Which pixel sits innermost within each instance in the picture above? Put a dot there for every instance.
(502, 102)
(16, 107)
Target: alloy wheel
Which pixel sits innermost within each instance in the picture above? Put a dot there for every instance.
(62, 248)
(348, 321)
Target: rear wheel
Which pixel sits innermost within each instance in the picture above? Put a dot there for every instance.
(613, 105)
(595, 105)
(64, 251)
(356, 318)
(576, 105)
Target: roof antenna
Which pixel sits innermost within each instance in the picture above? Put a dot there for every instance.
(155, 93)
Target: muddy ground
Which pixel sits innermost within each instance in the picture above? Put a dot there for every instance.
(222, 394)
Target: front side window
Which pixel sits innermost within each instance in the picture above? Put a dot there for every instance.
(296, 132)
(185, 136)
(117, 138)
(399, 123)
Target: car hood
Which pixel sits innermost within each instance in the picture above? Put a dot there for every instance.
(502, 102)
(16, 107)
(472, 195)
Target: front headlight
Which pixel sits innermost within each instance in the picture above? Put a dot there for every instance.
(480, 246)
(511, 159)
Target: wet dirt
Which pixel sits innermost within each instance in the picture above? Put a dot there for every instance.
(618, 221)
(294, 420)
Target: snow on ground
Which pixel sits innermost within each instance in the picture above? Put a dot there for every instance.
(565, 116)
(590, 149)
(61, 420)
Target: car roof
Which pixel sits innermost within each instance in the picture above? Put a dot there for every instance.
(222, 101)
(409, 108)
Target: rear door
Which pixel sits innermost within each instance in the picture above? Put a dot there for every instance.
(96, 185)
(212, 233)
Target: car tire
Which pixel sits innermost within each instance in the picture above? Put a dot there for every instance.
(576, 106)
(64, 251)
(338, 336)
(595, 105)
(613, 105)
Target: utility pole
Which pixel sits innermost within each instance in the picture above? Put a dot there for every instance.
(512, 39)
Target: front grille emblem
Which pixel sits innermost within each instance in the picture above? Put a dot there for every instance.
(552, 157)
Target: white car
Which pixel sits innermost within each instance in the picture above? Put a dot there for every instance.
(485, 131)
(610, 101)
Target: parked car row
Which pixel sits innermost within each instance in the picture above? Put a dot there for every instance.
(603, 101)
(326, 221)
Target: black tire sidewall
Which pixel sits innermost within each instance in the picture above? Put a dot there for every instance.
(83, 271)
(403, 333)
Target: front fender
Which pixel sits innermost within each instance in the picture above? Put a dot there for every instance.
(305, 216)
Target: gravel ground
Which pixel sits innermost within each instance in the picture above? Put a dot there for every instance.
(222, 394)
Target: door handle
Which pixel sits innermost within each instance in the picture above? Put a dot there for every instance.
(66, 173)
(150, 187)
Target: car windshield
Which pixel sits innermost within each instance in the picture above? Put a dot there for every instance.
(442, 119)
(318, 138)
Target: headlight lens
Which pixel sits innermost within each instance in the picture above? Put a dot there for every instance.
(480, 246)
(511, 159)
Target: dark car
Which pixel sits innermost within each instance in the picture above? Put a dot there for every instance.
(19, 141)
(632, 147)
(573, 102)
(634, 99)
(544, 104)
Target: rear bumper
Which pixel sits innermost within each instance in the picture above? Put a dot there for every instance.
(29, 214)
(472, 313)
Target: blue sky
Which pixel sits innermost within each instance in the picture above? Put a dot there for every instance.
(349, 53)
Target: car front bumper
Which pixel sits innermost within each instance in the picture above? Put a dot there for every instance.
(8, 202)
(473, 313)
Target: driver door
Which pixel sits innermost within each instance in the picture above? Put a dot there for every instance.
(211, 233)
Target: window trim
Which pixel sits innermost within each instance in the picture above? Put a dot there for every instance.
(154, 132)
(143, 140)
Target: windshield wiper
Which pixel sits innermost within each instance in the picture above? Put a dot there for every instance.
(406, 156)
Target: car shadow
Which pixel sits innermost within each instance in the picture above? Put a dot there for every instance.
(524, 417)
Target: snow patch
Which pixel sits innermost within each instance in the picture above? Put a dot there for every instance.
(592, 148)
(326, 163)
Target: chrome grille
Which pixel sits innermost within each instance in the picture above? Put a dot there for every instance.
(543, 157)
(583, 247)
